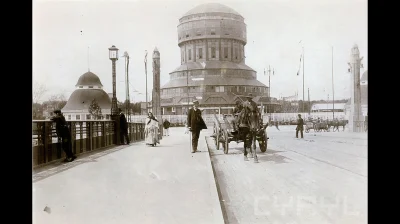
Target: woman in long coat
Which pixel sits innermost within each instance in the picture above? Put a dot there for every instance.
(151, 130)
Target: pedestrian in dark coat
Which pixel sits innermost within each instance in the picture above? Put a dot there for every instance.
(166, 125)
(195, 124)
(64, 134)
(123, 124)
(300, 126)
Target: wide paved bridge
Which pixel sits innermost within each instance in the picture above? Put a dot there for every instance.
(316, 180)
(129, 184)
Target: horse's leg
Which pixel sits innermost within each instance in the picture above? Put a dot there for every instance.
(249, 143)
(245, 153)
(245, 143)
(254, 147)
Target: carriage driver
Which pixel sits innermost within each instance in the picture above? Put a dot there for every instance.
(250, 104)
(236, 113)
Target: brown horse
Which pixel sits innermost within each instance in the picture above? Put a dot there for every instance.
(249, 126)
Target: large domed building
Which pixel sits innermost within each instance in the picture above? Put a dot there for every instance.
(211, 38)
(88, 87)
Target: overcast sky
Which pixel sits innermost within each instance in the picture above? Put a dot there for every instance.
(71, 36)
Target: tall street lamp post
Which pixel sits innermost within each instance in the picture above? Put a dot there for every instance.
(269, 87)
(113, 54)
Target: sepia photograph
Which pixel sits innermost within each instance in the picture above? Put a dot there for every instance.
(200, 111)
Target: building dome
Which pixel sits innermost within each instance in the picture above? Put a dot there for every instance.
(81, 99)
(211, 40)
(211, 8)
(89, 79)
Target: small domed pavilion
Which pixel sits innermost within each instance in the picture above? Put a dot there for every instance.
(88, 87)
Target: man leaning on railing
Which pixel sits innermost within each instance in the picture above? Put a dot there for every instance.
(63, 132)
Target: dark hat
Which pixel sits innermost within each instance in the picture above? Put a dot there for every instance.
(250, 95)
(119, 109)
(195, 101)
(57, 111)
(298, 114)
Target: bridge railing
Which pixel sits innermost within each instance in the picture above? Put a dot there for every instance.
(85, 135)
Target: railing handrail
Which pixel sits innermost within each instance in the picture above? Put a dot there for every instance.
(33, 121)
(85, 136)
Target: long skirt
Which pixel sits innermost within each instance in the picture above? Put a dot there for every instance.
(151, 136)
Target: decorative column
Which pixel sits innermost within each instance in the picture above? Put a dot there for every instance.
(156, 101)
(355, 118)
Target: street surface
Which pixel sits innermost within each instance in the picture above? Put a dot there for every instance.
(316, 180)
(131, 184)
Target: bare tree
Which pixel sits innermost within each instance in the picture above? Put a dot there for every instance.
(58, 101)
(95, 109)
(38, 91)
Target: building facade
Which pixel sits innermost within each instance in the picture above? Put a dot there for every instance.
(328, 107)
(211, 39)
(88, 88)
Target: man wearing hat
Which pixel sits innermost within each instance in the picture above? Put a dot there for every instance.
(300, 124)
(64, 134)
(195, 124)
(123, 127)
(250, 104)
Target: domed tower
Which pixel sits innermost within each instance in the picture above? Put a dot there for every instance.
(88, 87)
(211, 38)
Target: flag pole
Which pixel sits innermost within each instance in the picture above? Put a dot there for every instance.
(145, 67)
(333, 89)
(269, 89)
(303, 80)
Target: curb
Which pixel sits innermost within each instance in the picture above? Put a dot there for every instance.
(224, 215)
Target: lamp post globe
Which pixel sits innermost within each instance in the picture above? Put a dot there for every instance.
(113, 52)
(113, 55)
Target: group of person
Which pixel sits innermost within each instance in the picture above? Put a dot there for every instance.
(151, 132)
(194, 123)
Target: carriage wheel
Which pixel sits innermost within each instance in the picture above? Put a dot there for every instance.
(328, 129)
(263, 143)
(226, 142)
(307, 130)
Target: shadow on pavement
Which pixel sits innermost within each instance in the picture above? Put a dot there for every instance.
(60, 166)
(271, 155)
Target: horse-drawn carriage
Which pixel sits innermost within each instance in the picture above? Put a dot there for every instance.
(317, 126)
(223, 133)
